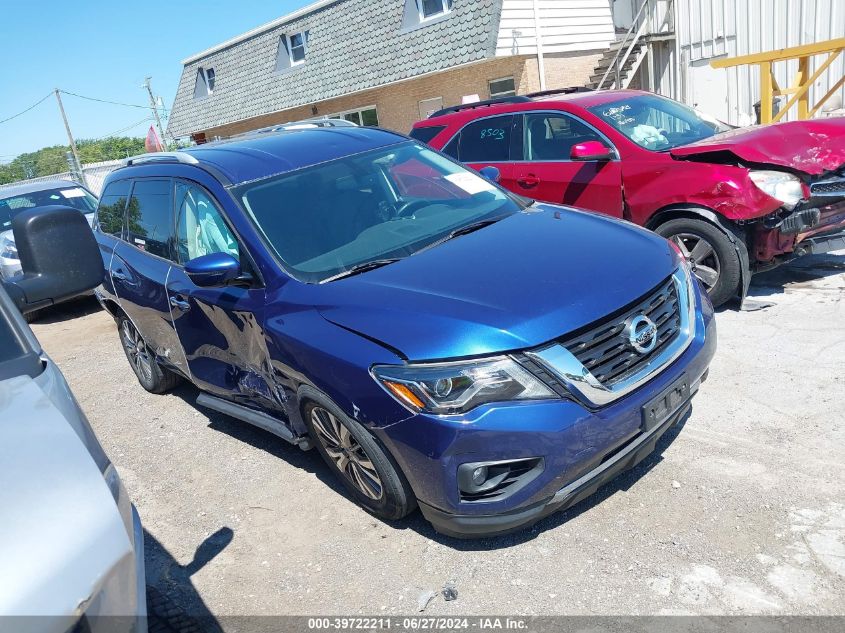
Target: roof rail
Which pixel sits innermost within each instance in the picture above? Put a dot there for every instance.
(559, 91)
(161, 157)
(295, 125)
(480, 104)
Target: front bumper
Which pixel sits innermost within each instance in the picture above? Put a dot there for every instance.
(469, 526)
(581, 449)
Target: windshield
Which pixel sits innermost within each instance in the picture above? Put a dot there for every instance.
(384, 204)
(75, 197)
(657, 123)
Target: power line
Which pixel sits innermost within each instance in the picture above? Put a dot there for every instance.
(127, 105)
(128, 127)
(50, 94)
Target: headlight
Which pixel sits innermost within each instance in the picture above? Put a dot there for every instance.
(8, 249)
(458, 387)
(779, 185)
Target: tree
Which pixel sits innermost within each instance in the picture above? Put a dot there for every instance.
(53, 160)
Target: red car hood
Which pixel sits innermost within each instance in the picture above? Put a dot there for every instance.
(813, 147)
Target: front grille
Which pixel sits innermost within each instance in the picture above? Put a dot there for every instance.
(828, 188)
(604, 349)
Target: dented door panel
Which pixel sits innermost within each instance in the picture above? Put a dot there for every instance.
(222, 335)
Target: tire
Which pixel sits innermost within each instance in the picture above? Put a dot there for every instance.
(152, 376)
(711, 254)
(370, 474)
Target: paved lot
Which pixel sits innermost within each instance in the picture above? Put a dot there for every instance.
(742, 510)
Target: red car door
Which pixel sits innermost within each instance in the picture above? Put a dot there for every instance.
(547, 173)
(487, 142)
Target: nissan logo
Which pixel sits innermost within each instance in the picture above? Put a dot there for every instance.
(641, 333)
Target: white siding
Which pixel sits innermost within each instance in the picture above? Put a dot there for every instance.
(709, 29)
(565, 25)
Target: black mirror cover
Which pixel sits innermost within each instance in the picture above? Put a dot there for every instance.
(59, 256)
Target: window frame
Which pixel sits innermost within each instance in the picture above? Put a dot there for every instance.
(446, 7)
(289, 38)
(202, 74)
(360, 111)
(97, 224)
(499, 95)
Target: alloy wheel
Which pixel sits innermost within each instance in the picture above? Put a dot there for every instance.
(701, 256)
(347, 454)
(136, 350)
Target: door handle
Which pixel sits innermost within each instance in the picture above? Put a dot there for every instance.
(180, 304)
(528, 181)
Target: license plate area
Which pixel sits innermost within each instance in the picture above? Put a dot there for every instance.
(661, 408)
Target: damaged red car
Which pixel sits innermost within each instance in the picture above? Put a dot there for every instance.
(735, 201)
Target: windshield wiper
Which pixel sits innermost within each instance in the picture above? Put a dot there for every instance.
(469, 228)
(362, 268)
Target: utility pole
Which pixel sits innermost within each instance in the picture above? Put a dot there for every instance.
(70, 138)
(155, 111)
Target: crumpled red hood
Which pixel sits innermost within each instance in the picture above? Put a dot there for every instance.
(813, 147)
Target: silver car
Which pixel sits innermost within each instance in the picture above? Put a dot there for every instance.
(71, 543)
(19, 198)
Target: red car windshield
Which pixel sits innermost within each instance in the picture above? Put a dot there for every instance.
(657, 123)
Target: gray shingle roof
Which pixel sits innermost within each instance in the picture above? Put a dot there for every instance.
(353, 45)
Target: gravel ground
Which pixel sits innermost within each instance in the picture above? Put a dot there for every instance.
(741, 510)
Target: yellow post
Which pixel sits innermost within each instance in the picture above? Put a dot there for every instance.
(766, 90)
(804, 99)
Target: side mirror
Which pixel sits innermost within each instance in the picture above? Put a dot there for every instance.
(490, 173)
(59, 257)
(216, 269)
(590, 150)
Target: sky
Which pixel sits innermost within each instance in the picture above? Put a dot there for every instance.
(105, 49)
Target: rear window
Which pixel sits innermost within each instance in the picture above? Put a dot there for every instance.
(425, 134)
(149, 217)
(486, 140)
(110, 213)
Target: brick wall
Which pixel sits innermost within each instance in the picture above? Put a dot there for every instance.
(398, 104)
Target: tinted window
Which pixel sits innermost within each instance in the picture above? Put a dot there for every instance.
(551, 136)
(150, 217)
(201, 229)
(425, 134)
(486, 141)
(451, 148)
(112, 206)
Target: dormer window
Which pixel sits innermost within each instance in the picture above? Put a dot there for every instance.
(297, 48)
(204, 85)
(293, 47)
(432, 8)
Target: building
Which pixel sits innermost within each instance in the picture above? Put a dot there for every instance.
(672, 43)
(388, 62)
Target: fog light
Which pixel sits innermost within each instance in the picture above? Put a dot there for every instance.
(489, 481)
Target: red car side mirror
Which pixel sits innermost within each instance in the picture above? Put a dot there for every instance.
(591, 150)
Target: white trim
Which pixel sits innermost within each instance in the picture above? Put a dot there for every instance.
(445, 10)
(258, 30)
(304, 47)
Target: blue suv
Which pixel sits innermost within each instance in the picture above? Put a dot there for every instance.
(441, 342)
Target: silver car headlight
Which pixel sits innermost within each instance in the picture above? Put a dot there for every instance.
(780, 186)
(448, 388)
